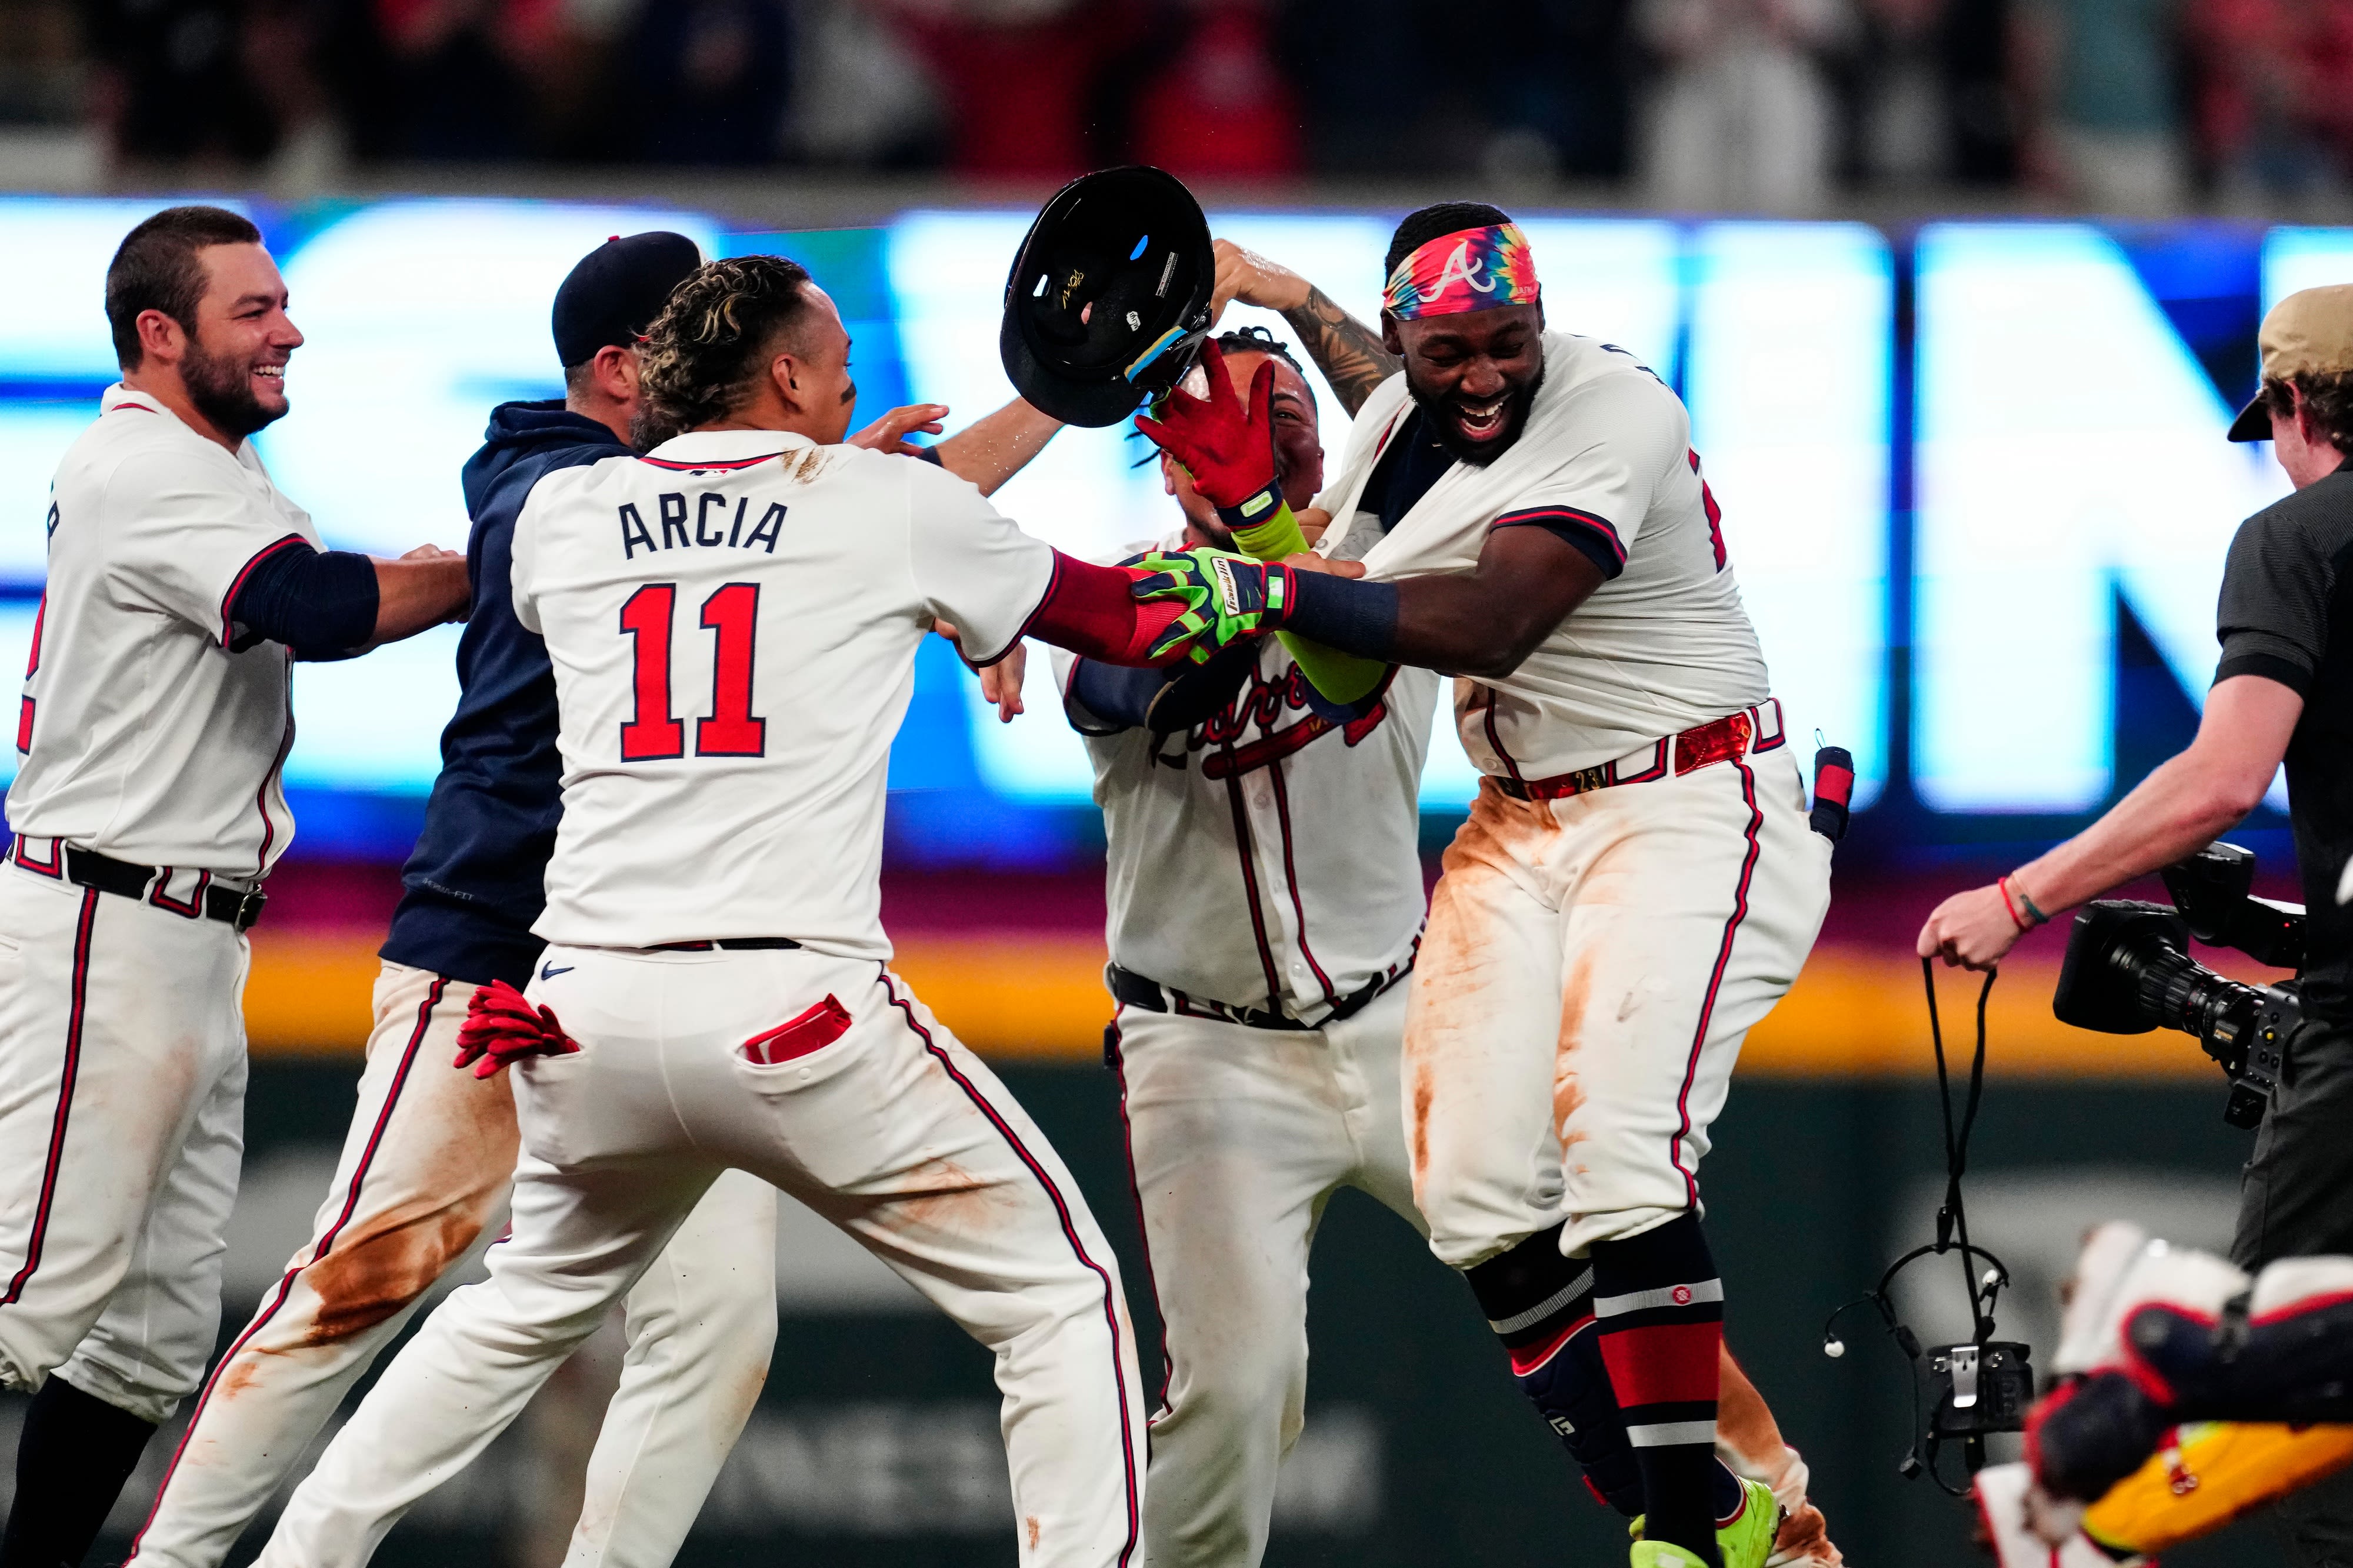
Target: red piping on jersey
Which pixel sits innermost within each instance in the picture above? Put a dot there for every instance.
(1114, 1052)
(1290, 876)
(229, 632)
(1495, 742)
(729, 466)
(326, 1242)
(1715, 981)
(1708, 504)
(66, 1077)
(1545, 516)
(261, 796)
(1070, 1234)
(1249, 891)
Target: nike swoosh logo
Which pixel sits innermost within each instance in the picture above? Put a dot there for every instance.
(548, 972)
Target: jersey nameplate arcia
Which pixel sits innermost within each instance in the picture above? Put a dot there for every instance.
(717, 521)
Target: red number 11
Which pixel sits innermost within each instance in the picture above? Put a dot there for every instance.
(656, 733)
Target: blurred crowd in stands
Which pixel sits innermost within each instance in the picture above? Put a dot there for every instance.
(1771, 105)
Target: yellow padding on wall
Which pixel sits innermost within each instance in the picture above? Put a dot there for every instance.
(1855, 1012)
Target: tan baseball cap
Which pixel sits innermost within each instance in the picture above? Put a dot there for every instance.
(2310, 332)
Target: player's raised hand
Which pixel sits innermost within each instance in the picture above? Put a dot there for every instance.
(1246, 275)
(889, 433)
(1225, 443)
(1222, 598)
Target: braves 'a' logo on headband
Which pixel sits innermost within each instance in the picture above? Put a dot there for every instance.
(1470, 269)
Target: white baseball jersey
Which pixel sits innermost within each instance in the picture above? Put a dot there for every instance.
(733, 619)
(1260, 858)
(151, 729)
(1660, 646)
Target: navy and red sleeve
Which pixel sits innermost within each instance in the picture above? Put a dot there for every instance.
(320, 603)
(1590, 534)
(1089, 610)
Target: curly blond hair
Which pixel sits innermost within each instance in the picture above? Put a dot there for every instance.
(702, 354)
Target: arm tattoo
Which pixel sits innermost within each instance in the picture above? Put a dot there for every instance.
(1348, 352)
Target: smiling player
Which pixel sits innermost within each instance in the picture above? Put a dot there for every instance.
(147, 807)
(1637, 883)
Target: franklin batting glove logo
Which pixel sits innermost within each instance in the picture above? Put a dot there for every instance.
(1221, 576)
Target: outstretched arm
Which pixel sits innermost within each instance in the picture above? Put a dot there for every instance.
(2178, 808)
(1481, 623)
(991, 450)
(987, 453)
(1348, 352)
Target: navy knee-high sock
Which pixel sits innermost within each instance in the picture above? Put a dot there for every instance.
(1659, 1309)
(72, 1459)
(1540, 1305)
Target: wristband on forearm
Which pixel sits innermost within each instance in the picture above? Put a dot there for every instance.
(1263, 526)
(1347, 614)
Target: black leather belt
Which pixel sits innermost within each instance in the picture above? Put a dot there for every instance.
(1130, 989)
(89, 869)
(728, 944)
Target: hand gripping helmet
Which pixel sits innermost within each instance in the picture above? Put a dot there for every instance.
(1108, 297)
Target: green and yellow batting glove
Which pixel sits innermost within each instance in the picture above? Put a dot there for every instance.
(1226, 598)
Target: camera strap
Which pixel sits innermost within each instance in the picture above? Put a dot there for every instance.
(1952, 1217)
(1982, 1385)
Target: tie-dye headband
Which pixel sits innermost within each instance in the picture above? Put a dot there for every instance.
(1470, 269)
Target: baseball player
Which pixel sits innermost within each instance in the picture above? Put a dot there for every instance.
(732, 619)
(1259, 1064)
(1637, 883)
(430, 1152)
(1266, 903)
(147, 808)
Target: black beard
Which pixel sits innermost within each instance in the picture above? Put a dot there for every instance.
(1440, 418)
(222, 393)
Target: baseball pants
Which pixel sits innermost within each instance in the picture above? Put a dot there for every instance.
(1591, 968)
(426, 1164)
(1237, 1139)
(889, 1128)
(121, 1129)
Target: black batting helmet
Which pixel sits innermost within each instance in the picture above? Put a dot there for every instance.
(1109, 296)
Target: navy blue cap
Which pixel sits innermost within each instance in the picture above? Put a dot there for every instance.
(617, 290)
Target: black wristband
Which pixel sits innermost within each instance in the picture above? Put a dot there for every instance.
(1345, 613)
(1253, 511)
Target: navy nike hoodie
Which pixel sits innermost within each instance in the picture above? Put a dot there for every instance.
(477, 879)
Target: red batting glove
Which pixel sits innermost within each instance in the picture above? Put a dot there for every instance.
(1226, 446)
(503, 1026)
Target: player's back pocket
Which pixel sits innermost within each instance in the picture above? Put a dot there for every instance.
(803, 1035)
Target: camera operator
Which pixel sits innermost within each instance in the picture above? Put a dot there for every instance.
(2284, 690)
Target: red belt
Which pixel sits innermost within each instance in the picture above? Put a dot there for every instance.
(1721, 740)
